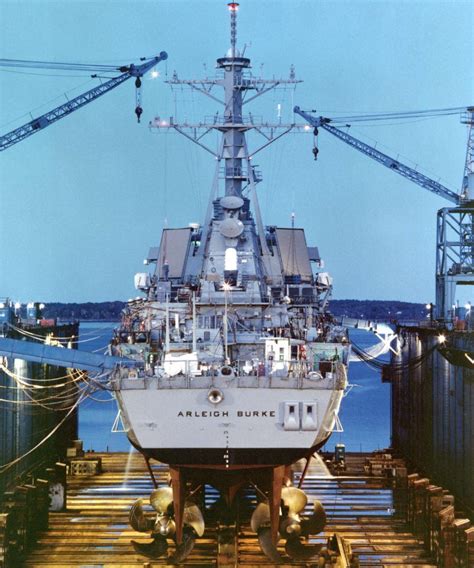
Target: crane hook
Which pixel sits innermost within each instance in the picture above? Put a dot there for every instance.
(315, 148)
(138, 98)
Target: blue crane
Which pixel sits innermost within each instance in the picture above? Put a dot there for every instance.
(392, 163)
(455, 225)
(37, 124)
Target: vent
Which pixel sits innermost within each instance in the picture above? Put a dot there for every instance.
(291, 419)
(309, 419)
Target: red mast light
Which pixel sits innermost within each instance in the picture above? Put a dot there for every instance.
(233, 6)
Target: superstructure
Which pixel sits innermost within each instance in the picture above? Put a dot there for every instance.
(241, 367)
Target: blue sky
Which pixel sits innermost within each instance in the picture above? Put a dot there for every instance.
(82, 201)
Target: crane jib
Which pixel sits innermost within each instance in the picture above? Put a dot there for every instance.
(76, 103)
(391, 163)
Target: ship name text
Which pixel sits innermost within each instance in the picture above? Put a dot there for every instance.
(225, 414)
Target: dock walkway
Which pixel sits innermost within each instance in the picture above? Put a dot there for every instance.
(95, 531)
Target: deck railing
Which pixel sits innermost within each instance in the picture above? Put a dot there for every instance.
(328, 375)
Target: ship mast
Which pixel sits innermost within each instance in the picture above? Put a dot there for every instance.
(234, 147)
(233, 159)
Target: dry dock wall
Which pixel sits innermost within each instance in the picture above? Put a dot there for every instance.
(433, 407)
(23, 424)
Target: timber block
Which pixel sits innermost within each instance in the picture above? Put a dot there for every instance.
(85, 467)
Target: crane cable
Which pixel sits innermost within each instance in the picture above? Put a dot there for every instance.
(62, 66)
(399, 115)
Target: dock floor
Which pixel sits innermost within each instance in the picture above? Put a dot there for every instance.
(95, 531)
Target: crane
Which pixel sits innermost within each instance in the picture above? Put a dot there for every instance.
(455, 225)
(41, 122)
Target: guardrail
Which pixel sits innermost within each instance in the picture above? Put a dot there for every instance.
(290, 375)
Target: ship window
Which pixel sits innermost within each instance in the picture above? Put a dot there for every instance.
(207, 336)
(282, 353)
(291, 409)
(276, 292)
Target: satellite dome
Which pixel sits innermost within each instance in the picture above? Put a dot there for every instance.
(231, 202)
(231, 228)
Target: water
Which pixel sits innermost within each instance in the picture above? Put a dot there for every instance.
(365, 412)
(97, 415)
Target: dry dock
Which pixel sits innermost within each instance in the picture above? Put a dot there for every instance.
(368, 512)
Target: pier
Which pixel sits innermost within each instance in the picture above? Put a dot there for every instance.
(378, 520)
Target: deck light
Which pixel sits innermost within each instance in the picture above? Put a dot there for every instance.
(441, 338)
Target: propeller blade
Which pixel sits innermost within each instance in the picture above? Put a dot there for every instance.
(316, 523)
(299, 551)
(260, 517)
(137, 518)
(267, 546)
(295, 499)
(193, 517)
(161, 499)
(154, 549)
(183, 550)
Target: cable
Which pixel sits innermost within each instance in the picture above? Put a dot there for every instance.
(7, 466)
(411, 363)
(399, 115)
(24, 63)
(47, 103)
(415, 166)
(100, 399)
(41, 74)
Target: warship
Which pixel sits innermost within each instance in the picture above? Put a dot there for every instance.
(230, 367)
(241, 368)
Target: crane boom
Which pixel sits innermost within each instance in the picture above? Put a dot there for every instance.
(384, 159)
(65, 109)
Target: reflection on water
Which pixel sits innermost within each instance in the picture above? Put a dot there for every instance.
(365, 412)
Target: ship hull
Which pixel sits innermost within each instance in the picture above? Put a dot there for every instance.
(241, 458)
(248, 428)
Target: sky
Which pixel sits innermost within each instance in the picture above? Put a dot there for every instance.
(82, 201)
